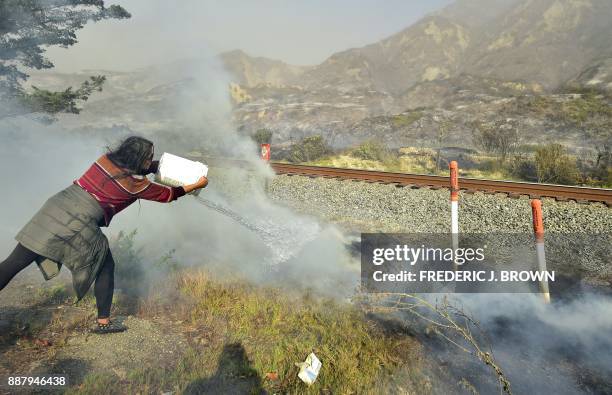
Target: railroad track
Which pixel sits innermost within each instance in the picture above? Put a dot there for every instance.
(510, 188)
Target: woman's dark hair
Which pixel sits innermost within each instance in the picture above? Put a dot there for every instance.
(132, 154)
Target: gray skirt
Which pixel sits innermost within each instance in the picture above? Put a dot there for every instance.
(66, 231)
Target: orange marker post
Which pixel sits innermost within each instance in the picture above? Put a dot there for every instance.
(265, 152)
(538, 231)
(265, 156)
(454, 187)
(454, 184)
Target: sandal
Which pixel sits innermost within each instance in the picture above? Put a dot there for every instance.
(111, 327)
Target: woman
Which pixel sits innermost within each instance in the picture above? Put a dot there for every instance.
(66, 230)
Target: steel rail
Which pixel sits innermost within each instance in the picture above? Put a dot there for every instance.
(510, 188)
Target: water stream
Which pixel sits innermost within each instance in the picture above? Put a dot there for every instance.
(259, 229)
(284, 240)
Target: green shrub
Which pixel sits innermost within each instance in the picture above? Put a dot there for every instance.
(580, 110)
(168, 262)
(524, 168)
(55, 294)
(262, 136)
(577, 111)
(554, 165)
(489, 165)
(406, 119)
(597, 171)
(370, 150)
(500, 137)
(130, 274)
(309, 149)
(527, 148)
(374, 150)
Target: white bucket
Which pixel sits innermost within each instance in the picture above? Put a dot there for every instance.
(175, 171)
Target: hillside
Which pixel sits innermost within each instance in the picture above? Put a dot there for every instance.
(460, 64)
(251, 71)
(546, 42)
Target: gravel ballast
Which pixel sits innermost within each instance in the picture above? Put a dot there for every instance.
(372, 207)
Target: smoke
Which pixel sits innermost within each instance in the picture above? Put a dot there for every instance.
(201, 111)
(39, 160)
(35, 162)
(560, 348)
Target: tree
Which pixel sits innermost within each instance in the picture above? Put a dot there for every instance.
(524, 167)
(500, 138)
(372, 150)
(26, 27)
(555, 166)
(263, 136)
(441, 134)
(309, 149)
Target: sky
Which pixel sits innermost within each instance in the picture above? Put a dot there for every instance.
(297, 32)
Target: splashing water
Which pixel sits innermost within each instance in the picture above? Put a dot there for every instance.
(284, 240)
(234, 215)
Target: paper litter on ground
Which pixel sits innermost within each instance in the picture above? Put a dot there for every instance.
(309, 369)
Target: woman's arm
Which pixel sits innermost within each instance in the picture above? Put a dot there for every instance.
(202, 182)
(166, 194)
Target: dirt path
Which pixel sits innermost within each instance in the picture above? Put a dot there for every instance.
(43, 333)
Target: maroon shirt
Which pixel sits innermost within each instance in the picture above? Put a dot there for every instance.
(104, 181)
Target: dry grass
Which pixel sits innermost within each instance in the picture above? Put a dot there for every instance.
(447, 321)
(419, 161)
(275, 330)
(349, 162)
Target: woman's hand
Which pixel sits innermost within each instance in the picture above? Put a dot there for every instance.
(201, 183)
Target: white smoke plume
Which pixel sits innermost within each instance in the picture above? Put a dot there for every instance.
(38, 160)
(559, 348)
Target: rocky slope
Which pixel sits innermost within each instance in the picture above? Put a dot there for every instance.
(252, 71)
(547, 42)
(544, 41)
(467, 61)
(434, 48)
(598, 76)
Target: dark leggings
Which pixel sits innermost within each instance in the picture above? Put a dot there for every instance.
(21, 257)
